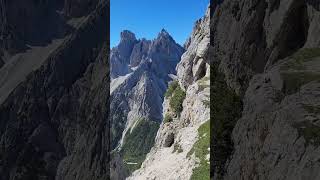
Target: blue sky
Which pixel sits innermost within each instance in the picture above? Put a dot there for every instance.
(146, 18)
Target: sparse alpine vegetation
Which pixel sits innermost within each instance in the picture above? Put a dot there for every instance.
(177, 99)
(202, 150)
(176, 96)
(167, 118)
(138, 143)
(295, 72)
(172, 87)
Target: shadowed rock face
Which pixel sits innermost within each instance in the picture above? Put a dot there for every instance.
(268, 54)
(54, 124)
(26, 22)
(78, 8)
(266, 39)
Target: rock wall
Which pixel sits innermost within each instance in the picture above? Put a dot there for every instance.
(54, 124)
(140, 71)
(267, 53)
(173, 155)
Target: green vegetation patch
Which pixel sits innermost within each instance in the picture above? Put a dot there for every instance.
(294, 80)
(167, 118)
(172, 87)
(138, 143)
(225, 110)
(301, 56)
(307, 54)
(177, 99)
(309, 131)
(201, 150)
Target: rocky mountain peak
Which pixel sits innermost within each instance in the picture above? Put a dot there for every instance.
(139, 79)
(127, 35)
(164, 34)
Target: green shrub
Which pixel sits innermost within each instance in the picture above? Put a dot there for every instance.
(177, 99)
(167, 118)
(171, 88)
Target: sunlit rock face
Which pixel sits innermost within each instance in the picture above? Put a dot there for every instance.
(172, 156)
(140, 72)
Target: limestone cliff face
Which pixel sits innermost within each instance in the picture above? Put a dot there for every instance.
(173, 155)
(265, 55)
(140, 71)
(54, 118)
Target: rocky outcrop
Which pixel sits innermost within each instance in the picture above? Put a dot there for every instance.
(186, 113)
(280, 121)
(265, 55)
(54, 124)
(139, 76)
(120, 56)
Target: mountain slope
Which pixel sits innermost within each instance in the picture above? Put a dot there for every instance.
(181, 149)
(54, 123)
(140, 72)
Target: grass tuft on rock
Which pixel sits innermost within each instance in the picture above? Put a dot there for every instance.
(167, 118)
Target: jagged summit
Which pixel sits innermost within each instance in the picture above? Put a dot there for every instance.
(131, 52)
(127, 35)
(164, 34)
(139, 77)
